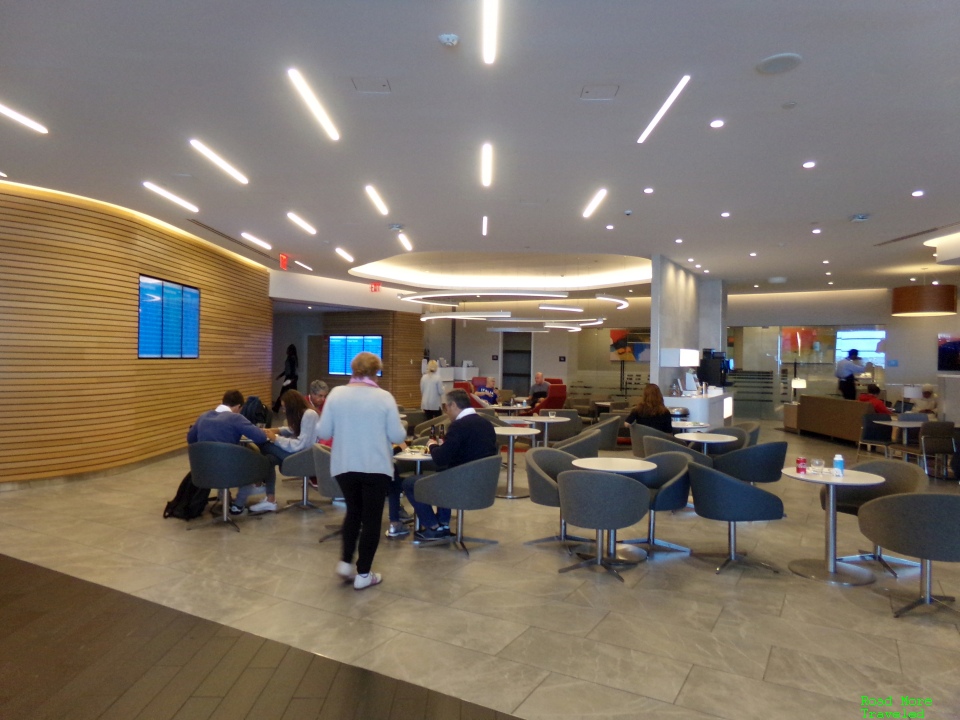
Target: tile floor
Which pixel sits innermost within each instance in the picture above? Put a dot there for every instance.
(501, 628)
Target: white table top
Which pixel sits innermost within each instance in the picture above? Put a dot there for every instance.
(514, 430)
(615, 464)
(908, 424)
(850, 477)
(544, 419)
(412, 455)
(705, 437)
(689, 424)
(507, 408)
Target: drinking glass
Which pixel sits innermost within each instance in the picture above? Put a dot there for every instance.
(816, 466)
(552, 413)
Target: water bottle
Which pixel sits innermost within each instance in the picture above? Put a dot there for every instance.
(838, 465)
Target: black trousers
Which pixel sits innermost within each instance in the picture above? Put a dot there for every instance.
(431, 414)
(848, 387)
(365, 494)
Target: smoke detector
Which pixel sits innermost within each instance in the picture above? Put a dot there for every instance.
(449, 39)
(859, 217)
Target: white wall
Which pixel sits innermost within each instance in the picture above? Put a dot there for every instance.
(547, 350)
(311, 288)
(675, 314)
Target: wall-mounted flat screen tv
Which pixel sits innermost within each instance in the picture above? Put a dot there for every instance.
(169, 320)
(948, 353)
(343, 348)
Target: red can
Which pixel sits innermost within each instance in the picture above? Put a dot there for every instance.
(802, 465)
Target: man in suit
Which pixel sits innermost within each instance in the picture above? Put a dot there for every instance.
(470, 437)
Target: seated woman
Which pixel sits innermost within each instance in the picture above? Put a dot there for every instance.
(488, 392)
(651, 411)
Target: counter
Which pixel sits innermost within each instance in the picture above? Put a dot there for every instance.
(717, 409)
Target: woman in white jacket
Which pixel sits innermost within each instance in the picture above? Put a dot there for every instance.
(431, 391)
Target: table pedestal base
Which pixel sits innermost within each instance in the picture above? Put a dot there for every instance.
(844, 575)
(505, 493)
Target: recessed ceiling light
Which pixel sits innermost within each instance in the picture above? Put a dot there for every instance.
(219, 161)
(779, 63)
(830, 283)
(826, 262)
(609, 227)
(486, 164)
(816, 231)
(678, 241)
(305, 267)
(483, 226)
(170, 196)
(663, 110)
(724, 214)
(706, 271)
(718, 123)
(689, 259)
(809, 164)
(561, 308)
(913, 279)
(917, 193)
(256, 241)
(935, 282)
(756, 286)
(934, 254)
(753, 254)
(648, 191)
(375, 199)
(23, 119)
(344, 254)
(828, 273)
(404, 241)
(697, 266)
(302, 223)
(309, 307)
(592, 205)
(313, 103)
(491, 11)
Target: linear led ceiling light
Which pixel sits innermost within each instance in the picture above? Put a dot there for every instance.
(404, 241)
(219, 161)
(598, 321)
(465, 315)
(375, 199)
(663, 110)
(297, 220)
(486, 164)
(562, 308)
(305, 267)
(344, 254)
(622, 303)
(23, 119)
(426, 297)
(256, 241)
(557, 326)
(491, 12)
(597, 199)
(483, 225)
(313, 103)
(170, 196)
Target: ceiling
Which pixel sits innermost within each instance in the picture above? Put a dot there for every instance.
(875, 103)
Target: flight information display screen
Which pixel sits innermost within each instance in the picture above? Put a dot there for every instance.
(169, 325)
(343, 348)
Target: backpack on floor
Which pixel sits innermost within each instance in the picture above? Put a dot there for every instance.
(255, 411)
(189, 502)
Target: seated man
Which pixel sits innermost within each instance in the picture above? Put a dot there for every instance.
(927, 403)
(225, 424)
(488, 392)
(539, 389)
(872, 396)
(470, 437)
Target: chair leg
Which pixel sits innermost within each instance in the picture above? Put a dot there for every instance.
(461, 538)
(926, 596)
(561, 537)
(598, 559)
(732, 556)
(304, 502)
(877, 556)
(225, 519)
(651, 538)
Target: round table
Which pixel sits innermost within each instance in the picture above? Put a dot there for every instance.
(905, 425)
(705, 438)
(512, 433)
(545, 420)
(829, 570)
(689, 425)
(617, 554)
(509, 409)
(413, 456)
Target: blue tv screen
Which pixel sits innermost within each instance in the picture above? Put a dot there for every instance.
(344, 348)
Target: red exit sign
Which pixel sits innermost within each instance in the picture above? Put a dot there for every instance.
(374, 287)
(283, 261)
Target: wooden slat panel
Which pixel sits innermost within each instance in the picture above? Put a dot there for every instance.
(74, 397)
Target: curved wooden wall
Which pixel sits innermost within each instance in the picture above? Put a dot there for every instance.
(74, 397)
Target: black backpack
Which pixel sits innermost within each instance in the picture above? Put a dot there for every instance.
(189, 502)
(255, 411)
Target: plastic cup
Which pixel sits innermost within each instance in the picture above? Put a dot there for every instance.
(552, 413)
(816, 466)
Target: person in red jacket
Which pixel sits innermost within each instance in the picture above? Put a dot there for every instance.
(872, 396)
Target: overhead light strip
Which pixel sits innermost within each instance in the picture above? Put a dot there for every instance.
(256, 241)
(491, 17)
(483, 225)
(622, 303)
(23, 119)
(504, 314)
(419, 297)
(561, 308)
(597, 199)
(598, 321)
(297, 220)
(219, 161)
(486, 165)
(568, 328)
(170, 196)
(305, 267)
(405, 242)
(663, 110)
(344, 254)
(313, 103)
(376, 199)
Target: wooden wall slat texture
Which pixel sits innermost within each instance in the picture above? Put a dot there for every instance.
(402, 348)
(74, 397)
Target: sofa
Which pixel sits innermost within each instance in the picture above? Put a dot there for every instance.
(831, 416)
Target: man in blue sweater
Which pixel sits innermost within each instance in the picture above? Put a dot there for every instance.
(225, 424)
(470, 437)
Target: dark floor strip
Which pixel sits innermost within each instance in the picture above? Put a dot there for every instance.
(74, 650)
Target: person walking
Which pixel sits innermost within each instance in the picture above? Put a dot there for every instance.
(846, 373)
(289, 375)
(364, 423)
(431, 391)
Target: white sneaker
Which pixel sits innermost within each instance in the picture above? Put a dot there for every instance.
(339, 502)
(364, 581)
(263, 506)
(346, 571)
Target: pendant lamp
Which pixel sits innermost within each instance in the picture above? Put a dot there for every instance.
(924, 300)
